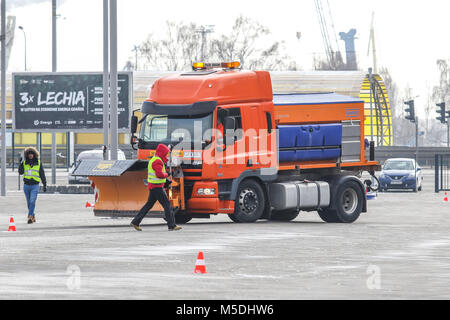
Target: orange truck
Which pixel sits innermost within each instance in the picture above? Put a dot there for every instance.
(238, 149)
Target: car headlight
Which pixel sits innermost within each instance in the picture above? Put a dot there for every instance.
(206, 191)
(411, 176)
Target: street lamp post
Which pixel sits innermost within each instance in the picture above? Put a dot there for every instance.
(3, 96)
(25, 38)
(54, 66)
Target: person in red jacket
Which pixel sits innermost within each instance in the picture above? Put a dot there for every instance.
(157, 179)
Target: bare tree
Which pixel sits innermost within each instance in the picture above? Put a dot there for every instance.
(240, 44)
(247, 43)
(180, 46)
(150, 50)
(129, 66)
(404, 130)
(440, 93)
(399, 124)
(336, 64)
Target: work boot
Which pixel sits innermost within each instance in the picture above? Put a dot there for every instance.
(176, 228)
(30, 221)
(136, 227)
(33, 218)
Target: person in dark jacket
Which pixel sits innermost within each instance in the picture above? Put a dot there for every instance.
(33, 174)
(157, 181)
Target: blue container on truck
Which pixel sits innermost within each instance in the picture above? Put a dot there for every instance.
(310, 142)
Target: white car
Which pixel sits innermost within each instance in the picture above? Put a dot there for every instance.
(89, 155)
(401, 173)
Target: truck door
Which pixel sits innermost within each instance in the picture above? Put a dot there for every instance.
(252, 126)
(230, 150)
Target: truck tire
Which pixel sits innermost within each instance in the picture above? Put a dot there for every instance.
(348, 204)
(182, 218)
(250, 202)
(233, 217)
(285, 215)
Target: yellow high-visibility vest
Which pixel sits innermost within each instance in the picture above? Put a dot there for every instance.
(152, 178)
(32, 173)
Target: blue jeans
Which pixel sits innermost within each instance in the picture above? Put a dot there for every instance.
(31, 193)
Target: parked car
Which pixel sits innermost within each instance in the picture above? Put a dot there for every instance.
(89, 155)
(401, 173)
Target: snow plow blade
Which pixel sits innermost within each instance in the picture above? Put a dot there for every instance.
(120, 187)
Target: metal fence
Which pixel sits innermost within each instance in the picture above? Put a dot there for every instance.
(442, 172)
(425, 157)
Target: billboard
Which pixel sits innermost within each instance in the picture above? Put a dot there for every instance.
(58, 102)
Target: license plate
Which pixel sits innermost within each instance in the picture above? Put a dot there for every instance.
(396, 182)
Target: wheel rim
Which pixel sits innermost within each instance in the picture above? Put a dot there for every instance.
(248, 201)
(349, 200)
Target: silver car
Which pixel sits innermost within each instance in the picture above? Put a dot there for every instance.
(89, 155)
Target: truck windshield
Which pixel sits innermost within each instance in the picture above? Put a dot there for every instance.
(173, 129)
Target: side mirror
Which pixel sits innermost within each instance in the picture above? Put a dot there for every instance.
(133, 141)
(230, 123)
(134, 124)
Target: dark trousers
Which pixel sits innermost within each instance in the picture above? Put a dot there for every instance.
(156, 194)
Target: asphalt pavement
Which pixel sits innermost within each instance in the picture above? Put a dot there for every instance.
(400, 249)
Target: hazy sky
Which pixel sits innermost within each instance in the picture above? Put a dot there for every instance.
(411, 35)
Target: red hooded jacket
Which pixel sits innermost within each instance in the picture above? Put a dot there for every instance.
(161, 151)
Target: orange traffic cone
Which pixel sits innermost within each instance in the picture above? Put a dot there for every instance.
(200, 266)
(446, 198)
(12, 224)
(88, 205)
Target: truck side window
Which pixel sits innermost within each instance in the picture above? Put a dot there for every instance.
(234, 113)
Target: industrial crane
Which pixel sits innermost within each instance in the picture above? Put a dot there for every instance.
(334, 56)
(372, 44)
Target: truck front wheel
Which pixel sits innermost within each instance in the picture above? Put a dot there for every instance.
(249, 203)
(348, 204)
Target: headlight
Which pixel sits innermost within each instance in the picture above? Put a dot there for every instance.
(382, 176)
(411, 176)
(206, 191)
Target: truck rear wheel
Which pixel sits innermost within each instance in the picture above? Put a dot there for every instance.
(249, 203)
(285, 215)
(348, 204)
